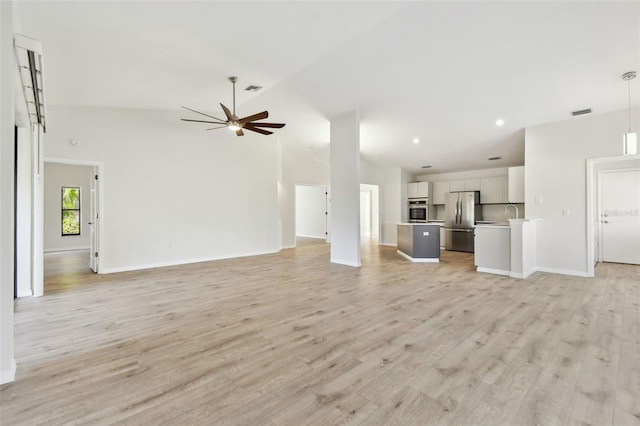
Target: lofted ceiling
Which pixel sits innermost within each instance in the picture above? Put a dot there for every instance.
(443, 72)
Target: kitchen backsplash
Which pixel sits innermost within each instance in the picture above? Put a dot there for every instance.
(489, 212)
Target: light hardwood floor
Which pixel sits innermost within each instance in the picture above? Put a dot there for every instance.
(290, 339)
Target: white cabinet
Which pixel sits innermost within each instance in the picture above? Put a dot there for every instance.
(494, 190)
(493, 249)
(418, 190)
(472, 184)
(412, 190)
(440, 188)
(456, 185)
(516, 184)
(464, 185)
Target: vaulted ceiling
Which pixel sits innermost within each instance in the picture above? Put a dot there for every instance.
(443, 72)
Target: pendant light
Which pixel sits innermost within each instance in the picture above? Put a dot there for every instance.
(629, 140)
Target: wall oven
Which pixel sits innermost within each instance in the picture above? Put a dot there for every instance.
(418, 210)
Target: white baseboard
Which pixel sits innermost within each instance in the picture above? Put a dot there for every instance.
(319, 237)
(9, 375)
(60, 250)
(180, 262)
(563, 271)
(388, 244)
(346, 263)
(418, 259)
(288, 247)
(493, 271)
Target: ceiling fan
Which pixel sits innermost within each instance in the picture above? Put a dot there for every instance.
(238, 124)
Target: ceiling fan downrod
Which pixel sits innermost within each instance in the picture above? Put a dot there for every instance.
(233, 80)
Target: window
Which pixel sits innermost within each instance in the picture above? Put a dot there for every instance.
(70, 210)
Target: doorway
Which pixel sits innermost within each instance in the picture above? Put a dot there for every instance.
(607, 168)
(71, 213)
(369, 211)
(312, 212)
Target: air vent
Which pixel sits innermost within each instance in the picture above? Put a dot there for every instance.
(253, 88)
(581, 112)
(426, 167)
(494, 158)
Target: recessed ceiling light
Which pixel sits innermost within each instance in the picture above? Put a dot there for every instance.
(499, 122)
(494, 158)
(416, 140)
(426, 167)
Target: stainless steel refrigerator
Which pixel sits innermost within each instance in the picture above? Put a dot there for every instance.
(462, 210)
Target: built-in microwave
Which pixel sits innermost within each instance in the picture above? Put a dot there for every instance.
(418, 210)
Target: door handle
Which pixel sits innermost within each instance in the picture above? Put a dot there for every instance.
(90, 223)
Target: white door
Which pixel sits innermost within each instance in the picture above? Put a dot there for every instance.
(94, 216)
(620, 216)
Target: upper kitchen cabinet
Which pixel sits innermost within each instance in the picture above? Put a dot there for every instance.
(494, 190)
(516, 184)
(418, 190)
(440, 188)
(464, 185)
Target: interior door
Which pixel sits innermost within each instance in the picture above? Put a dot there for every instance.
(620, 216)
(94, 216)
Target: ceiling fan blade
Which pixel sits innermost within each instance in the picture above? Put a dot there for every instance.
(203, 121)
(227, 112)
(259, 116)
(272, 125)
(249, 126)
(219, 127)
(201, 113)
(239, 132)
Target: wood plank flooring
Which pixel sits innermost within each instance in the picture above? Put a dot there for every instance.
(290, 339)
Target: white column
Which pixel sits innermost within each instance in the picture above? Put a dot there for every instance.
(7, 158)
(345, 189)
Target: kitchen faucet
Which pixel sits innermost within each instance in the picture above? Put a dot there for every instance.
(506, 209)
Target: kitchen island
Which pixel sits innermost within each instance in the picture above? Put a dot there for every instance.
(419, 242)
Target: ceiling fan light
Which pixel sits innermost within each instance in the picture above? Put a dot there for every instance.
(630, 144)
(234, 127)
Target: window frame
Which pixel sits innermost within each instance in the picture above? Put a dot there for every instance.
(63, 210)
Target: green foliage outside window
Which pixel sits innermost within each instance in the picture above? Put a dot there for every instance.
(70, 211)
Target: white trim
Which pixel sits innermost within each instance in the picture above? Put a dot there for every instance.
(9, 375)
(58, 250)
(523, 275)
(180, 262)
(346, 263)
(288, 247)
(388, 244)
(419, 259)
(563, 272)
(24, 293)
(493, 271)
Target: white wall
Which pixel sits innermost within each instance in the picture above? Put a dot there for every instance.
(555, 179)
(7, 68)
(173, 192)
(391, 193)
(467, 174)
(311, 203)
(57, 175)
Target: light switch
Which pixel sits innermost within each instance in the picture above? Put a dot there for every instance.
(565, 212)
(425, 233)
